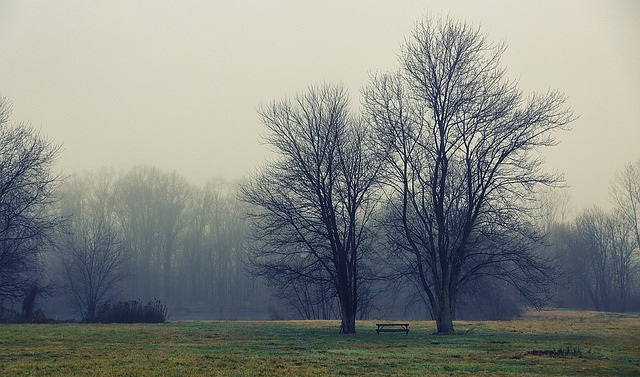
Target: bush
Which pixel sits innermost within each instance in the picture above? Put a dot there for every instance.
(8, 315)
(132, 311)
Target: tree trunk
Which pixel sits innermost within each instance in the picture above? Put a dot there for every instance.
(348, 323)
(91, 311)
(347, 306)
(444, 322)
(444, 313)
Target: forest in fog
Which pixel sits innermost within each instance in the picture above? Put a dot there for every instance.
(187, 246)
(151, 234)
(175, 242)
(429, 201)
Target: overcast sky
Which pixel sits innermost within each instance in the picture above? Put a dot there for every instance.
(176, 84)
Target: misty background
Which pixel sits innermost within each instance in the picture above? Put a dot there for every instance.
(155, 107)
(176, 84)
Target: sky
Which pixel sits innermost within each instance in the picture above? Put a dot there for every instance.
(177, 84)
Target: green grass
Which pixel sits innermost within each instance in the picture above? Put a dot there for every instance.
(606, 344)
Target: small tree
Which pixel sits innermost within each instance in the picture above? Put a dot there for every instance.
(92, 261)
(91, 251)
(27, 186)
(458, 141)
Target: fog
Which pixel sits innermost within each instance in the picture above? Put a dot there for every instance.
(176, 84)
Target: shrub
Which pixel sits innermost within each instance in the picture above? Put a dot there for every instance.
(9, 315)
(132, 311)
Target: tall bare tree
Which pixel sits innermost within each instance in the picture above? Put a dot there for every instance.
(211, 269)
(150, 208)
(27, 185)
(314, 202)
(459, 140)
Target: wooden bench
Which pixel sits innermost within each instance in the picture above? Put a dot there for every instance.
(392, 327)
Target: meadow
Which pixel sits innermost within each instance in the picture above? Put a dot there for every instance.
(546, 343)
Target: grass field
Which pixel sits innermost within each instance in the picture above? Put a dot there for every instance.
(547, 343)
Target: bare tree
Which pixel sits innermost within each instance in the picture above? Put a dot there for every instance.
(459, 141)
(626, 193)
(553, 208)
(314, 203)
(151, 206)
(93, 265)
(91, 251)
(211, 270)
(602, 263)
(27, 186)
(202, 268)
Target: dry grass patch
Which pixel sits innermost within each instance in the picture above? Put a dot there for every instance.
(608, 344)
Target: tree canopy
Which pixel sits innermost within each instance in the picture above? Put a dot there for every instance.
(27, 185)
(315, 201)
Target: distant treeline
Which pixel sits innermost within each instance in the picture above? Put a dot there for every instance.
(173, 241)
(187, 246)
